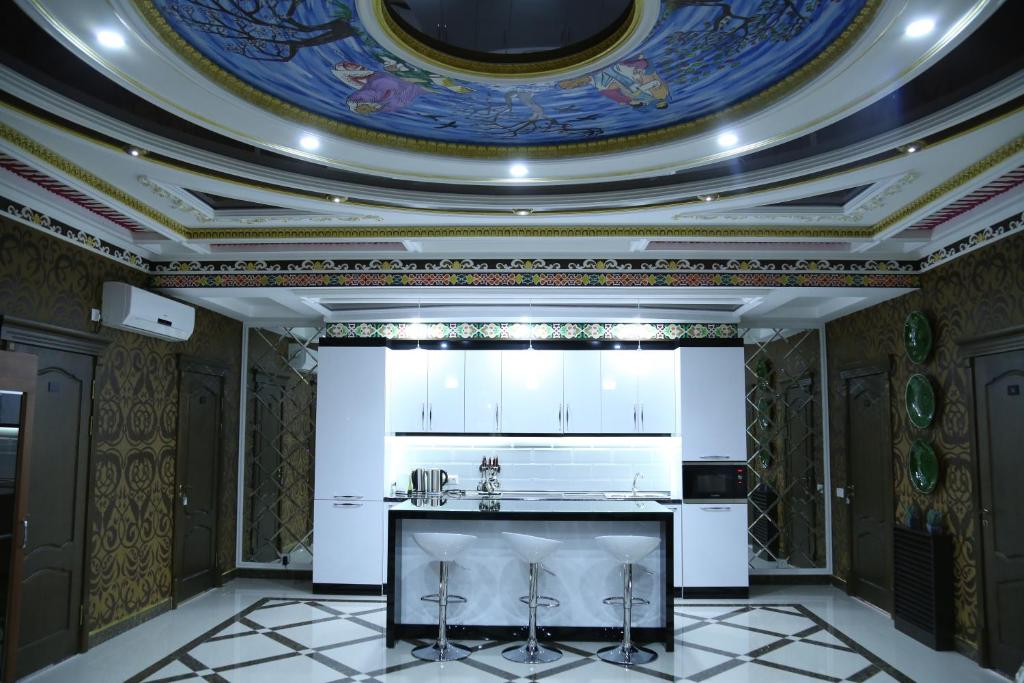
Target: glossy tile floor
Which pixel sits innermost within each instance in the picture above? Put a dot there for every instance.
(258, 630)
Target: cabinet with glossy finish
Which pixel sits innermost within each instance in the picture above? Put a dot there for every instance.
(713, 403)
(483, 392)
(581, 392)
(531, 392)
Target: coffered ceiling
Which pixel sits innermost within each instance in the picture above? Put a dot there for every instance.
(826, 138)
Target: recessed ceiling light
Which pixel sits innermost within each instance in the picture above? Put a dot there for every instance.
(134, 151)
(728, 139)
(707, 197)
(522, 212)
(111, 39)
(309, 142)
(336, 199)
(518, 170)
(920, 27)
(912, 147)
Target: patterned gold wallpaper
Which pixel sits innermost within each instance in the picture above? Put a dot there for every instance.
(135, 418)
(980, 292)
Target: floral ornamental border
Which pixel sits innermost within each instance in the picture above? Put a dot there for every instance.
(1003, 228)
(532, 331)
(537, 265)
(40, 221)
(534, 280)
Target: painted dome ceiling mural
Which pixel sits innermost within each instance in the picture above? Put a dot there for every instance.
(699, 59)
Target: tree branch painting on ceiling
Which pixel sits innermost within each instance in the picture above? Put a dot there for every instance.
(699, 58)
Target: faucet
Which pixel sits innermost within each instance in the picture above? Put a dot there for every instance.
(636, 476)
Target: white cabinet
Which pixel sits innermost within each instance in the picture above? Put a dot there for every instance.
(338, 528)
(531, 392)
(426, 391)
(386, 532)
(483, 391)
(713, 403)
(581, 392)
(620, 413)
(446, 391)
(351, 404)
(407, 390)
(656, 391)
(715, 546)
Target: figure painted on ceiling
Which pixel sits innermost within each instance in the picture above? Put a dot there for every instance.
(632, 82)
(389, 90)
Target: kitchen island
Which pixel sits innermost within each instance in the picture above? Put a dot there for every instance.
(492, 578)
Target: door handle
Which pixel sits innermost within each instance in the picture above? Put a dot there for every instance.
(566, 417)
(348, 505)
(496, 423)
(348, 497)
(634, 417)
(715, 508)
(24, 533)
(430, 416)
(560, 427)
(423, 417)
(713, 457)
(641, 417)
(182, 495)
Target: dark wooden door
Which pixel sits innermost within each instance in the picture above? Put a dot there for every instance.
(869, 485)
(200, 439)
(999, 414)
(52, 579)
(17, 409)
(265, 469)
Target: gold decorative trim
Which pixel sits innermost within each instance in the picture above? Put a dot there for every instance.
(71, 169)
(973, 171)
(80, 174)
(290, 112)
(475, 68)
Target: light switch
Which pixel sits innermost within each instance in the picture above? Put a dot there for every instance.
(840, 492)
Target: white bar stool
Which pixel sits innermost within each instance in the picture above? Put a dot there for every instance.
(443, 548)
(533, 550)
(627, 550)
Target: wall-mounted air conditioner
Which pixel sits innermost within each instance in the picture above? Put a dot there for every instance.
(136, 310)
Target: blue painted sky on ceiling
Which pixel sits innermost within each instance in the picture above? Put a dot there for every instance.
(700, 58)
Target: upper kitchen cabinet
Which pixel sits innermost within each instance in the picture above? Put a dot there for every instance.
(427, 391)
(581, 392)
(531, 392)
(483, 392)
(638, 392)
(713, 396)
(656, 391)
(446, 391)
(407, 390)
(350, 409)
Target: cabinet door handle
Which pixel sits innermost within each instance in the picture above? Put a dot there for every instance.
(24, 533)
(430, 416)
(560, 417)
(423, 417)
(566, 417)
(641, 417)
(347, 497)
(713, 457)
(715, 508)
(634, 417)
(496, 423)
(348, 505)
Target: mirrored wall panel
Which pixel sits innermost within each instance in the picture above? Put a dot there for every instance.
(785, 449)
(280, 440)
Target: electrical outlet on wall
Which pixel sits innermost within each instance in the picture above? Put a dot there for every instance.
(840, 492)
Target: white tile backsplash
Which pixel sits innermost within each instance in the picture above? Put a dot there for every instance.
(585, 468)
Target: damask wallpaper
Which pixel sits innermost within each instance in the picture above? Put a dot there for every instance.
(135, 419)
(982, 291)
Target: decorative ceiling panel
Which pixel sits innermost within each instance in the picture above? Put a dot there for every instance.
(699, 59)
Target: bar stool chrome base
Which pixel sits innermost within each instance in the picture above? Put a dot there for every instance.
(537, 655)
(451, 652)
(627, 654)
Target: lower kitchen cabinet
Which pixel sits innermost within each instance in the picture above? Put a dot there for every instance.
(348, 542)
(677, 544)
(715, 546)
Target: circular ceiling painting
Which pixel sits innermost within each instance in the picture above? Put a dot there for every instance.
(699, 59)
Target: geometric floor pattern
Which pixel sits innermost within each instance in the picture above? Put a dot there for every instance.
(342, 641)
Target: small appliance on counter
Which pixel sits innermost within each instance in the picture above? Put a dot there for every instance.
(714, 530)
(489, 485)
(428, 482)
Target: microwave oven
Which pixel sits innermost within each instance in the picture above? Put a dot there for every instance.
(720, 482)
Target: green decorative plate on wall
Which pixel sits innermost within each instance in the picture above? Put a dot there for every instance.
(917, 336)
(923, 467)
(920, 401)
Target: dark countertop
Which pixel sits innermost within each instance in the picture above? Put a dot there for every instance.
(568, 496)
(451, 508)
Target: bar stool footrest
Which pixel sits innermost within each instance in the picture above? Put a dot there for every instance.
(542, 601)
(452, 599)
(619, 600)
